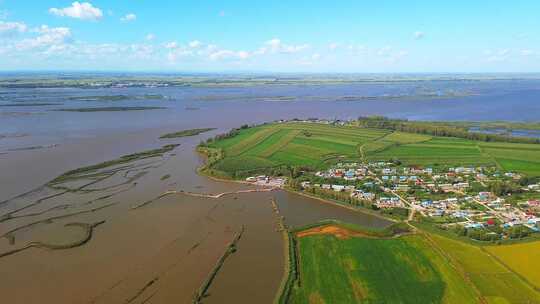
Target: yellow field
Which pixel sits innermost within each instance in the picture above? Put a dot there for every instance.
(522, 258)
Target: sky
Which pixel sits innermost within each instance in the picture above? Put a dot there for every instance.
(356, 36)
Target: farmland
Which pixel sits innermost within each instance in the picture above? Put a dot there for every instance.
(496, 283)
(359, 269)
(317, 146)
(521, 258)
(348, 266)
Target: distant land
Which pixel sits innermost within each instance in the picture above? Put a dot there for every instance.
(103, 80)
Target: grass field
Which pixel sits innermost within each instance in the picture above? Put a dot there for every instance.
(523, 258)
(365, 270)
(317, 145)
(496, 283)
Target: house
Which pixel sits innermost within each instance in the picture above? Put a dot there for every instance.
(533, 203)
(388, 171)
(427, 203)
(534, 187)
(474, 225)
(349, 188)
(461, 185)
(305, 184)
(445, 187)
(338, 188)
(436, 213)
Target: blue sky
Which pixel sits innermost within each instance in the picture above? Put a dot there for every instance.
(284, 36)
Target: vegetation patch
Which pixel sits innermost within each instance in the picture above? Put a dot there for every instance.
(185, 133)
(107, 109)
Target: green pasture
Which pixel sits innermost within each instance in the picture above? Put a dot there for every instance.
(366, 270)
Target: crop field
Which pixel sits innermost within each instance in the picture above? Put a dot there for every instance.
(317, 145)
(515, 157)
(523, 258)
(367, 270)
(496, 283)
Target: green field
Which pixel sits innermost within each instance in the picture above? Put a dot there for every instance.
(364, 270)
(316, 146)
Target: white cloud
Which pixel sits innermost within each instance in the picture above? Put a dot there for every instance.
(150, 37)
(8, 29)
(195, 44)
(171, 45)
(419, 35)
(47, 37)
(77, 10)
(178, 52)
(129, 17)
(333, 46)
(309, 60)
(276, 46)
(228, 54)
(527, 52)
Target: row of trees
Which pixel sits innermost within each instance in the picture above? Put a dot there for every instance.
(493, 233)
(437, 129)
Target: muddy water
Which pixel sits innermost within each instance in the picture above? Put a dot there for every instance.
(148, 250)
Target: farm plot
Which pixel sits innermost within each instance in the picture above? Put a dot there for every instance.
(492, 279)
(366, 270)
(522, 258)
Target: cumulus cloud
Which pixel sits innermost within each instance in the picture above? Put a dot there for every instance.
(276, 46)
(77, 10)
(419, 35)
(8, 29)
(150, 37)
(195, 44)
(333, 46)
(228, 54)
(129, 17)
(171, 45)
(177, 52)
(47, 37)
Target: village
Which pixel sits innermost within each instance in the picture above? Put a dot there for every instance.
(452, 196)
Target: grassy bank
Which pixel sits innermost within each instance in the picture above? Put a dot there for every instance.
(73, 174)
(185, 133)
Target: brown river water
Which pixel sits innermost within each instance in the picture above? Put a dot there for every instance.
(142, 248)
